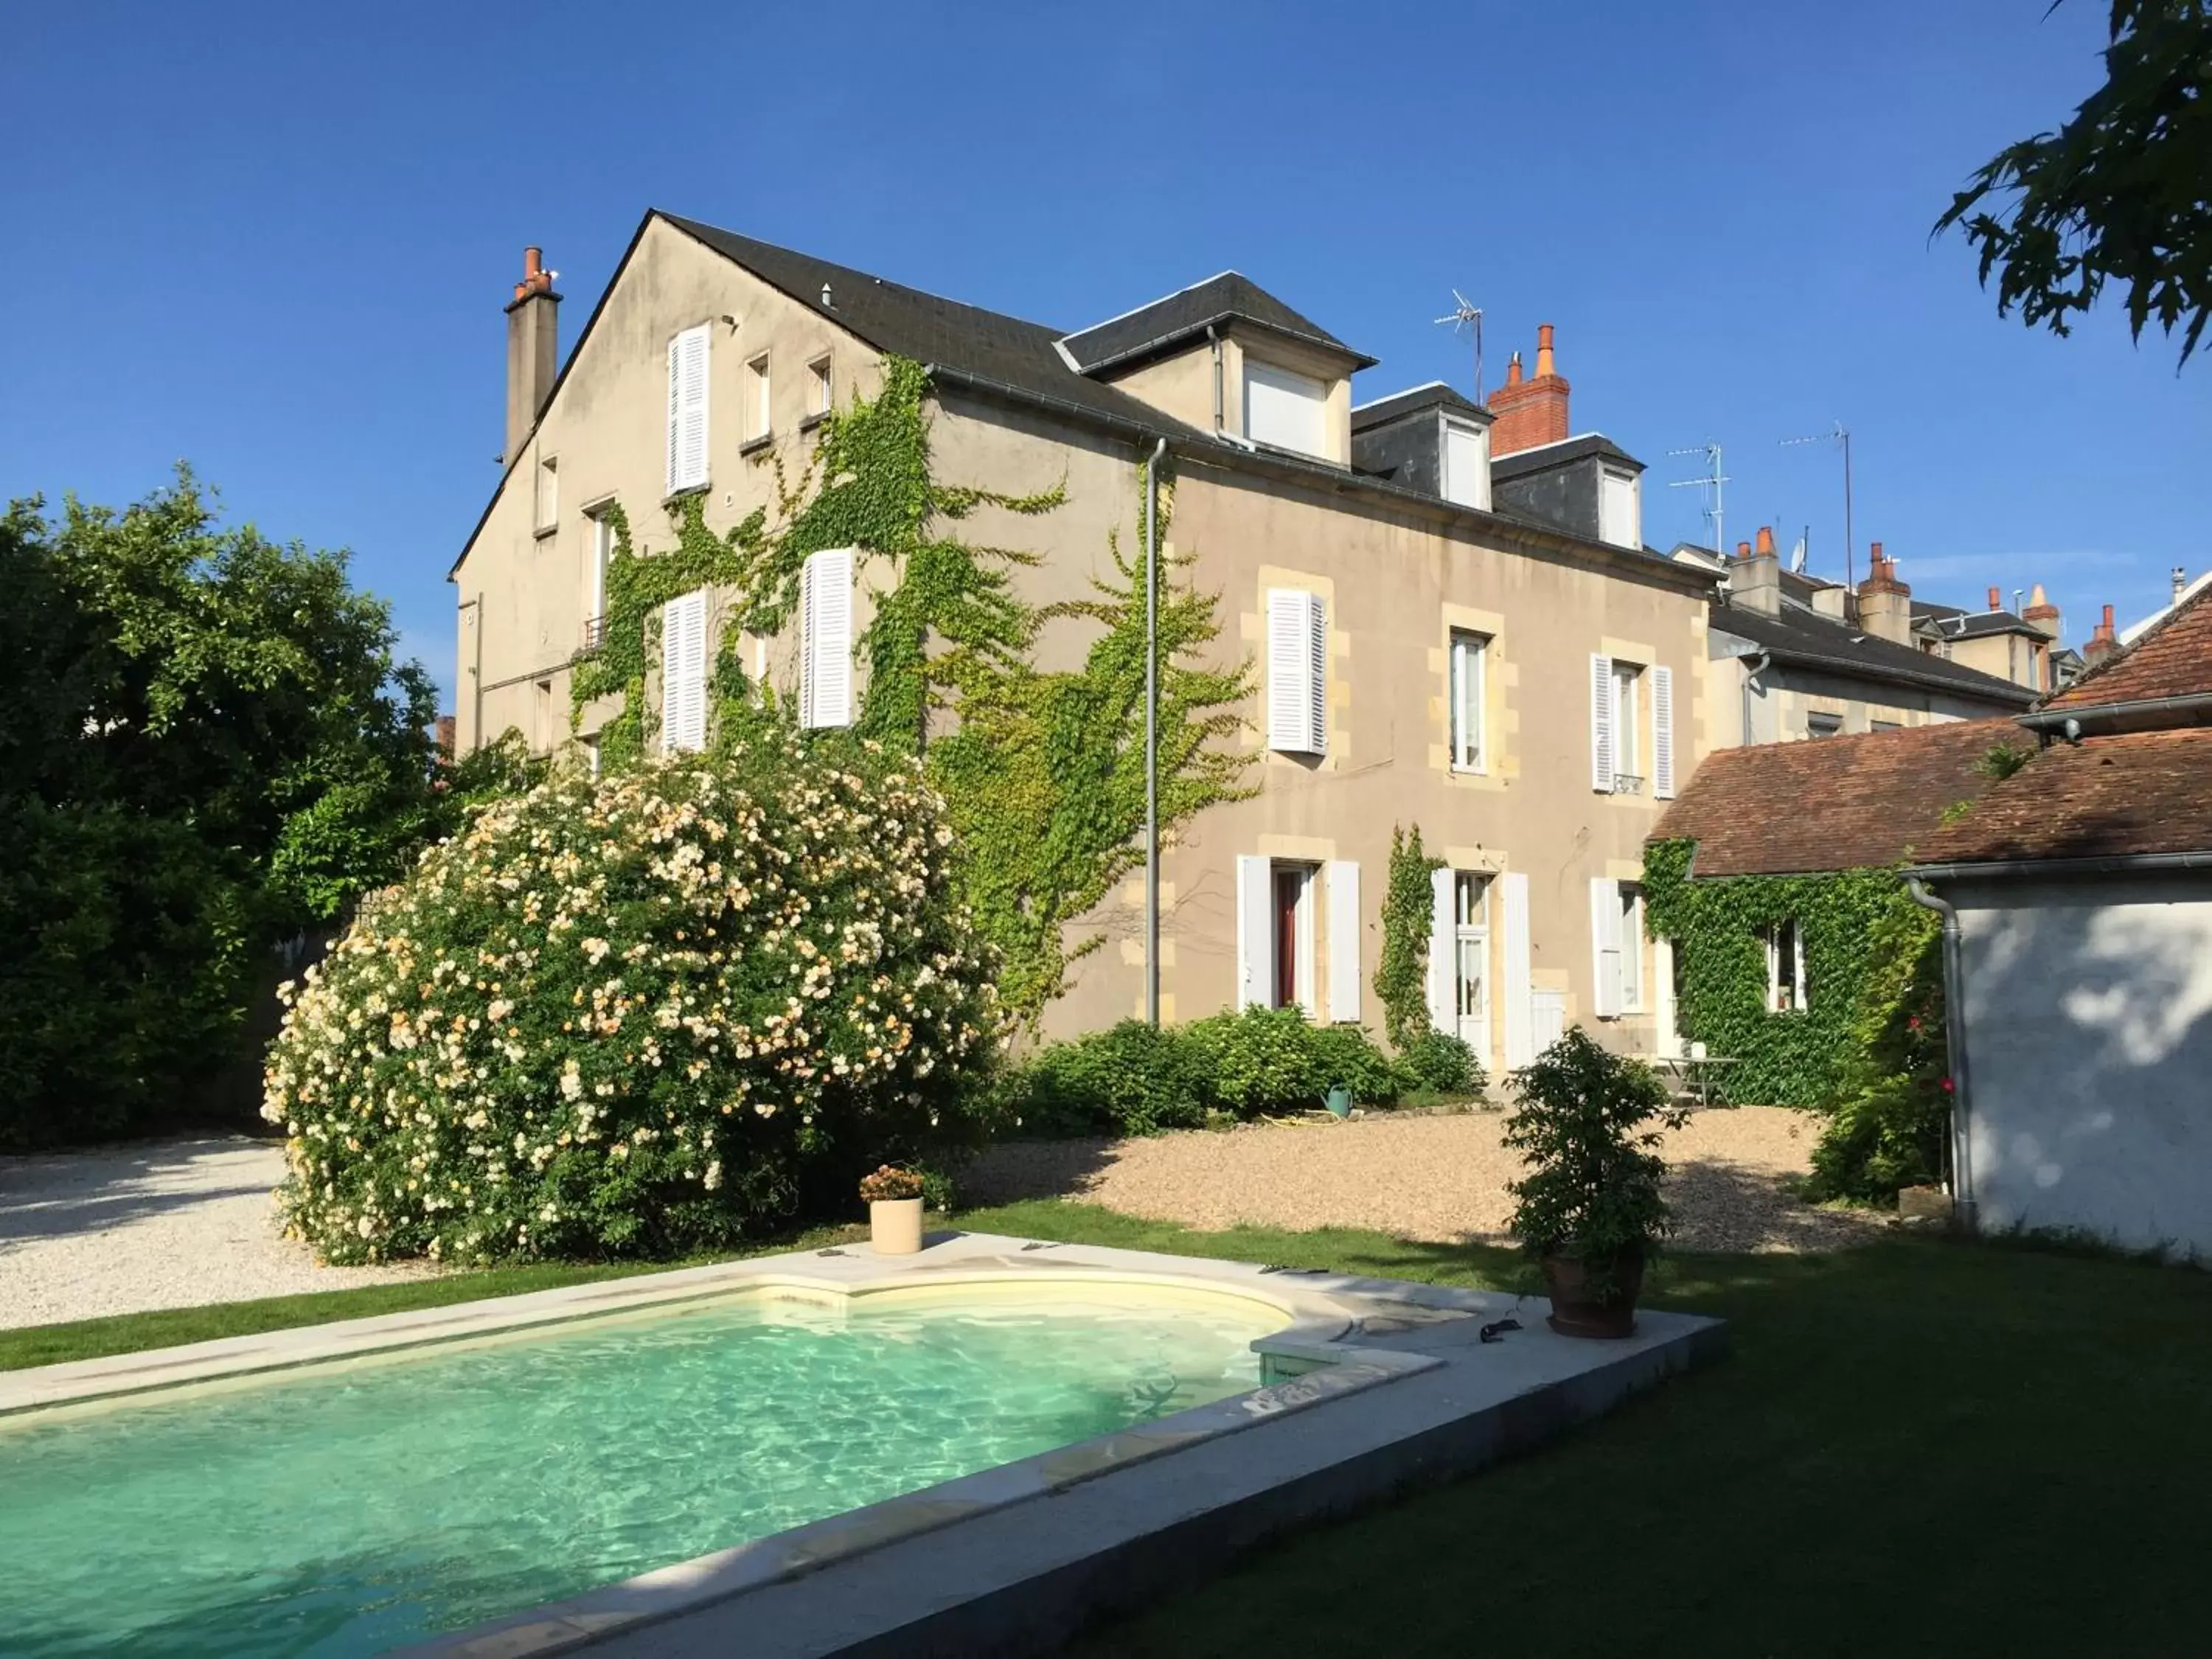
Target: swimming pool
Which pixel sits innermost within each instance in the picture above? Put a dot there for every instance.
(347, 1507)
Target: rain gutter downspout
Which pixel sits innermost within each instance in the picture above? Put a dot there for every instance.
(1213, 339)
(1151, 734)
(1765, 658)
(1954, 1031)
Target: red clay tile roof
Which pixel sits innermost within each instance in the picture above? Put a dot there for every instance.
(1830, 803)
(2118, 796)
(2175, 659)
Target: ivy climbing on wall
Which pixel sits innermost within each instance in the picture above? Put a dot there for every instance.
(1810, 1057)
(1042, 773)
(1408, 914)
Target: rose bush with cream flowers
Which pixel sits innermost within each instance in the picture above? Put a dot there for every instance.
(653, 1013)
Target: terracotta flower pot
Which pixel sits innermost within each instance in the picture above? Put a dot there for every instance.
(1579, 1310)
(894, 1225)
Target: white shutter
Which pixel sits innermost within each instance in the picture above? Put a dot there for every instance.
(1443, 954)
(1343, 876)
(1601, 724)
(1255, 932)
(1662, 733)
(1513, 904)
(684, 672)
(1467, 466)
(825, 669)
(1297, 671)
(1605, 944)
(687, 409)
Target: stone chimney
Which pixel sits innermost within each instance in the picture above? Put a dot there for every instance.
(1755, 576)
(2040, 614)
(1885, 603)
(2102, 643)
(532, 350)
(1532, 411)
(1832, 600)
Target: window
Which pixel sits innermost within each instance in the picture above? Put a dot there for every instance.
(1823, 725)
(1468, 656)
(817, 387)
(1617, 946)
(1618, 513)
(1786, 990)
(1275, 935)
(1883, 726)
(687, 409)
(684, 672)
(546, 512)
(1467, 465)
(825, 666)
(592, 756)
(541, 716)
(756, 404)
(595, 593)
(1471, 958)
(1284, 407)
(1297, 671)
(1627, 761)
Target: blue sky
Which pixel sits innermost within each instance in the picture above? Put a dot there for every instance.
(276, 240)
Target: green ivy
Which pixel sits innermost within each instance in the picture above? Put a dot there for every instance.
(1043, 772)
(1810, 1057)
(1401, 976)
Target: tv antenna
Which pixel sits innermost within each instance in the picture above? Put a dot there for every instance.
(1712, 480)
(1838, 435)
(1465, 315)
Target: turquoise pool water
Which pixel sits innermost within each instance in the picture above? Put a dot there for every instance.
(346, 1509)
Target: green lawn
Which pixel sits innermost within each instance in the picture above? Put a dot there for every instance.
(1917, 1447)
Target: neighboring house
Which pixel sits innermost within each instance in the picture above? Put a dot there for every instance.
(2078, 895)
(1793, 657)
(1528, 694)
(1764, 950)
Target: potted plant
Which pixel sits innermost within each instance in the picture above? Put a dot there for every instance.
(1590, 1208)
(893, 1196)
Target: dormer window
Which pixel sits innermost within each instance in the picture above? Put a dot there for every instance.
(1620, 510)
(1467, 465)
(1285, 408)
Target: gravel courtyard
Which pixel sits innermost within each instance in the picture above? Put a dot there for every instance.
(1439, 1179)
(169, 1223)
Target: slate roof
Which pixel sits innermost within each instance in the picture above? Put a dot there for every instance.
(1954, 623)
(2173, 659)
(929, 328)
(1801, 639)
(1230, 297)
(1399, 404)
(1557, 454)
(2141, 793)
(1826, 804)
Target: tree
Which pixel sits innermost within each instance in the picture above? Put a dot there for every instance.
(2119, 193)
(206, 745)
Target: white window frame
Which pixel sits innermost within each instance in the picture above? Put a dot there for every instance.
(759, 409)
(598, 559)
(1632, 996)
(826, 637)
(1280, 387)
(1471, 934)
(1465, 492)
(1617, 484)
(1823, 715)
(1628, 718)
(1297, 671)
(1773, 937)
(545, 495)
(1468, 659)
(682, 678)
(821, 391)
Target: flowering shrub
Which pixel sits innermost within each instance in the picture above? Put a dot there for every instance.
(647, 1014)
(890, 1183)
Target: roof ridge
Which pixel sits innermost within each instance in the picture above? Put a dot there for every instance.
(1173, 294)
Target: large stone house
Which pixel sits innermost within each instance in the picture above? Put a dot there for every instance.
(1424, 651)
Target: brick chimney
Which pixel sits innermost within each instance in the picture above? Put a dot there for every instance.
(1996, 599)
(1885, 603)
(1755, 576)
(2102, 643)
(532, 350)
(1532, 411)
(2040, 614)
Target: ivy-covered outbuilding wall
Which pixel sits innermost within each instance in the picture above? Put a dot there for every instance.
(1812, 1056)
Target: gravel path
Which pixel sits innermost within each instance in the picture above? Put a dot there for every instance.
(1439, 1179)
(168, 1223)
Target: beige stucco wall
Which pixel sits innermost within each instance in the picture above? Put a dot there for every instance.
(2012, 656)
(1784, 700)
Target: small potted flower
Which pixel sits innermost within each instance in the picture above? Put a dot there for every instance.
(1590, 1209)
(893, 1196)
